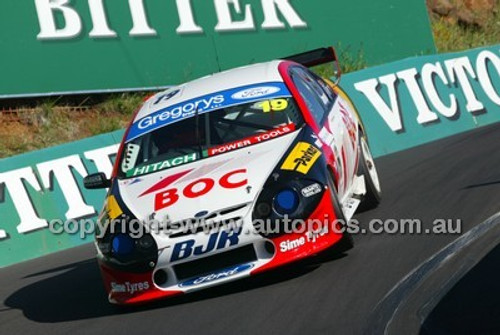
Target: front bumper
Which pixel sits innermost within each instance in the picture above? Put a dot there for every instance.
(234, 263)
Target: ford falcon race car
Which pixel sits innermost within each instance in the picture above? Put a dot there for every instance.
(223, 175)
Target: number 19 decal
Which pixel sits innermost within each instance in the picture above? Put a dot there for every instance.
(276, 105)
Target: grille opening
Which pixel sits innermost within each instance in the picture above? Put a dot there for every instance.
(214, 263)
(211, 216)
(194, 228)
(233, 209)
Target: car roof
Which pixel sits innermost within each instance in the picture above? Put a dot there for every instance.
(238, 77)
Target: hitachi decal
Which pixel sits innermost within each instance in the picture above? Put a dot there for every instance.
(167, 164)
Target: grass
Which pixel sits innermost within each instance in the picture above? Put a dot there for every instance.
(348, 61)
(450, 36)
(124, 104)
(51, 124)
(48, 124)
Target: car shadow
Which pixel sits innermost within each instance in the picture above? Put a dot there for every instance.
(76, 291)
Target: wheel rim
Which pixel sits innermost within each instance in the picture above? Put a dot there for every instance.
(370, 164)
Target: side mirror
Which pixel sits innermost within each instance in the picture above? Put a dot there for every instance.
(96, 181)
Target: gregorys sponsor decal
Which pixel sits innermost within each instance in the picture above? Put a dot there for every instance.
(201, 105)
(181, 111)
(166, 164)
(226, 273)
(251, 140)
(302, 158)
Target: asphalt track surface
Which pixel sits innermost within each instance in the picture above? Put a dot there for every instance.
(398, 284)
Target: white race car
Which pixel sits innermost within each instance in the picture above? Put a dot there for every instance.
(223, 175)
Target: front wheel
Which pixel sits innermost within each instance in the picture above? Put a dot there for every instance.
(346, 242)
(368, 169)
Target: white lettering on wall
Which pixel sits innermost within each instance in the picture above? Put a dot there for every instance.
(61, 170)
(278, 14)
(483, 75)
(425, 115)
(428, 73)
(102, 158)
(13, 181)
(226, 22)
(271, 19)
(140, 20)
(186, 17)
(46, 16)
(391, 114)
(99, 19)
(457, 69)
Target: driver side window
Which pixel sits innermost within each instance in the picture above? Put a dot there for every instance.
(314, 96)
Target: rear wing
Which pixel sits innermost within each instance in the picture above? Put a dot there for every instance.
(319, 57)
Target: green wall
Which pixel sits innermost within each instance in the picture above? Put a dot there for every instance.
(385, 30)
(391, 126)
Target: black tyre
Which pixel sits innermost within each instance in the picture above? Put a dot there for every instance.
(346, 242)
(368, 169)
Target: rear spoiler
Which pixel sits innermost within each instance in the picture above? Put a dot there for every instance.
(318, 57)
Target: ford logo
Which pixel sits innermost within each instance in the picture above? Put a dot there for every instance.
(222, 274)
(256, 92)
(201, 214)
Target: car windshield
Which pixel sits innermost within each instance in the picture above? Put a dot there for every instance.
(209, 134)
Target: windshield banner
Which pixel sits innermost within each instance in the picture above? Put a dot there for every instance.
(205, 104)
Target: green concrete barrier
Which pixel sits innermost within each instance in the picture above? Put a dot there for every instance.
(403, 104)
(422, 99)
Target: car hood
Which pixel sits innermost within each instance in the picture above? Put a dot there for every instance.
(206, 186)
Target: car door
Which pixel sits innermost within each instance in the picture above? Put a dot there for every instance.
(335, 123)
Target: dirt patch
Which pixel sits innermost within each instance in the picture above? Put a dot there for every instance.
(472, 13)
(46, 124)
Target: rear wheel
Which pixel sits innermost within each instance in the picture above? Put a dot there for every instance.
(368, 169)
